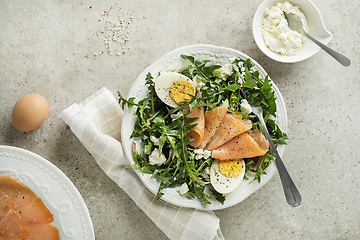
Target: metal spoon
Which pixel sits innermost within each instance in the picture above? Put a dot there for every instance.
(296, 25)
(292, 194)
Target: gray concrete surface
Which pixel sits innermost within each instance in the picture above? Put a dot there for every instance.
(57, 49)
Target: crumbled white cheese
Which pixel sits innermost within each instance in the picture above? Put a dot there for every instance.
(241, 66)
(198, 156)
(207, 154)
(183, 189)
(156, 158)
(198, 83)
(200, 153)
(242, 77)
(245, 107)
(275, 31)
(206, 174)
(226, 71)
(207, 170)
(155, 140)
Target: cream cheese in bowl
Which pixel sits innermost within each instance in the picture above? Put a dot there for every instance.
(276, 33)
(315, 25)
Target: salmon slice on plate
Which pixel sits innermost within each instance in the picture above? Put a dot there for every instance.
(230, 126)
(43, 232)
(246, 145)
(213, 118)
(197, 132)
(22, 212)
(12, 226)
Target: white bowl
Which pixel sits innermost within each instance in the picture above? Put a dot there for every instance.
(315, 24)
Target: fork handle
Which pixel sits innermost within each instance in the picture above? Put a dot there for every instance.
(292, 194)
(345, 61)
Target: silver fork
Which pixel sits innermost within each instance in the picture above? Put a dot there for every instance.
(292, 194)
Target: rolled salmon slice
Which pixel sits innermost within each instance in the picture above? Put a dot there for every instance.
(230, 126)
(260, 140)
(197, 132)
(213, 118)
(246, 145)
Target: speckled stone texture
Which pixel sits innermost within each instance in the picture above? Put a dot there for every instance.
(60, 49)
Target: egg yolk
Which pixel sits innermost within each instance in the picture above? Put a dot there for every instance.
(231, 168)
(180, 90)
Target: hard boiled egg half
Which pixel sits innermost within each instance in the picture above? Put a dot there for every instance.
(173, 88)
(227, 175)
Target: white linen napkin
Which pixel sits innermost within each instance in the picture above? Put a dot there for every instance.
(96, 122)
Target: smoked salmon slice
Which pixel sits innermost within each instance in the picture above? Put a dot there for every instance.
(23, 213)
(12, 227)
(230, 126)
(197, 132)
(246, 145)
(213, 118)
(43, 232)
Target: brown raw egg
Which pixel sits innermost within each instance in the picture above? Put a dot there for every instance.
(29, 112)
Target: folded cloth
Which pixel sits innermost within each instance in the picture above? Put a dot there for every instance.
(96, 122)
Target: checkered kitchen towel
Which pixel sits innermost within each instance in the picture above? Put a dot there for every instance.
(96, 122)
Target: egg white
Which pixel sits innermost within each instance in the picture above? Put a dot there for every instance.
(163, 84)
(223, 184)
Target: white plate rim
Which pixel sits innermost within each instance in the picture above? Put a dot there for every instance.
(165, 63)
(48, 182)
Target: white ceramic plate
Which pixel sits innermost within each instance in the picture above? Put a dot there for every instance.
(315, 24)
(60, 196)
(173, 61)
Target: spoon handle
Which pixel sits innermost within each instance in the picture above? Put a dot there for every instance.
(292, 194)
(345, 61)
